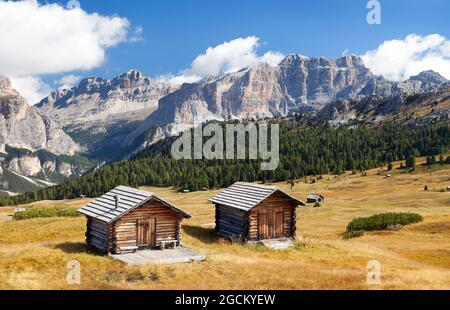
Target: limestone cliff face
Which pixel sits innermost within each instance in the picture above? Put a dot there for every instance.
(23, 127)
(97, 102)
(297, 84)
(25, 165)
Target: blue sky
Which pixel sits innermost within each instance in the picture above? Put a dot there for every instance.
(176, 32)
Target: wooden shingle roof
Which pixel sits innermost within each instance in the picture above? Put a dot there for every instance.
(105, 209)
(246, 196)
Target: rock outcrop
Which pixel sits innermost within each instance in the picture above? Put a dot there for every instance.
(23, 127)
(297, 84)
(97, 102)
(28, 166)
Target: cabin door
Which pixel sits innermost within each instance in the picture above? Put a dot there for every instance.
(146, 233)
(271, 224)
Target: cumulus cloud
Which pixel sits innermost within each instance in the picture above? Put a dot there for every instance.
(227, 57)
(42, 39)
(31, 87)
(68, 81)
(401, 59)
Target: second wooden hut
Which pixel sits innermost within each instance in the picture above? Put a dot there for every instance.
(251, 212)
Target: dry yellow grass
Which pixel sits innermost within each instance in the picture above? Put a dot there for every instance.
(34, 253)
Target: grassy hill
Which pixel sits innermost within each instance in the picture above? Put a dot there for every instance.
(304, 151)
(34, 253)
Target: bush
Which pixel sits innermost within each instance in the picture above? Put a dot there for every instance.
(317, 205)
(353, 234)
(135, 276)
(383, 221)
(45, 213)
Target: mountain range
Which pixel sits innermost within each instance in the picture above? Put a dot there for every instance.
(99, 121)
(297, 85)
(31, 144)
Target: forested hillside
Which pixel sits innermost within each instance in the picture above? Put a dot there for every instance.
(304, 151)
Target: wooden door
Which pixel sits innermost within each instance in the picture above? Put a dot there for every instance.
(278, 224)
(146, 233)
(264, 225)
(270, 224)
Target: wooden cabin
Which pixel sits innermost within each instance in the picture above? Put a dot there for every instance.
(250, 212)
(126, 220)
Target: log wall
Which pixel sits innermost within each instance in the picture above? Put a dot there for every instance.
(168, 224)
(98, 234)
(231, 222)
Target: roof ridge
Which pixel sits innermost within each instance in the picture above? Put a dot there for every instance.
(272, 187)
(246, 196)
(133, 190)
(106, 209)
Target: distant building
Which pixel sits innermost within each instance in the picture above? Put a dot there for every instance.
(126, 220)
(314, 198)
(251, 212)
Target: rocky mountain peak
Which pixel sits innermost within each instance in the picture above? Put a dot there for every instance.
(133, 75)
(132, 78)
(429, 76)
(22, 126)
(99, 103)
(297, 84)
(293, 60)
(90, 85)
(350, 61)
(5, 83)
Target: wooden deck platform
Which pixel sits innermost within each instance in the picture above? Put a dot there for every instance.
(278, 244)
(158, 257)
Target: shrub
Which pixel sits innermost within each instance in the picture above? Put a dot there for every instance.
(353, 234)
(383, 221)
(317, 205)
(411, 162)
(45, 213)
(135, 276)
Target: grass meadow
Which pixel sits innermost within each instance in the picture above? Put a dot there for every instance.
(34, 253)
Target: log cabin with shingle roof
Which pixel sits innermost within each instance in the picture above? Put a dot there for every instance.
(126, 220)
(251, 212)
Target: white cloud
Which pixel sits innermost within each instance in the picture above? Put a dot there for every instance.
(227, 57)
(400, 59)
(68, 81)
(136, 35)
(31, 87)
(42, 39)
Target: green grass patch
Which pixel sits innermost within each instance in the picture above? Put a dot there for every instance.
(46, 213)
(379, 222)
